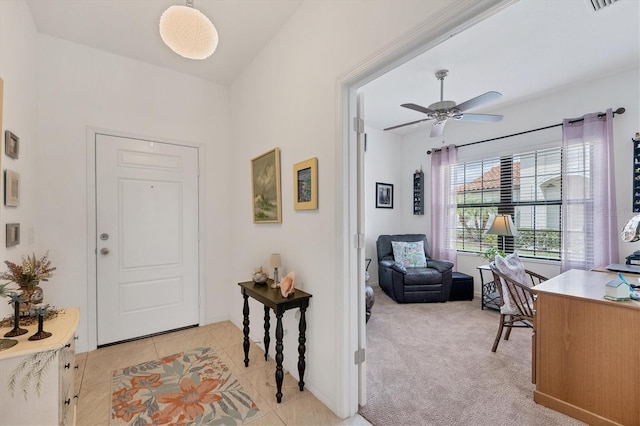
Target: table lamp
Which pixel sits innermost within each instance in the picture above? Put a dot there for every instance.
(502, 225)
(276, 262)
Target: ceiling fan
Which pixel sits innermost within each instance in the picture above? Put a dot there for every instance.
(444, 110)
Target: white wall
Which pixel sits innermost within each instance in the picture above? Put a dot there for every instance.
(414, 157)
(79, 87)
(287, 98)
(18, 69)
(383, 163)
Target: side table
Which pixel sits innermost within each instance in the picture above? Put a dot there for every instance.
(490, 296)
(272, 299)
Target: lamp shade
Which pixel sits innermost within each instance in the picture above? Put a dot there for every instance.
(276, 261)
(188, 32)
(502, 225)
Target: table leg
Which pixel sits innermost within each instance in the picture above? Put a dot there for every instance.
(279, 356)
(301, 347)
(245, 329)
(267, 317)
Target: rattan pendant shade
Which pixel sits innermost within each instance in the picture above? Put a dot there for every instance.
(188, 32)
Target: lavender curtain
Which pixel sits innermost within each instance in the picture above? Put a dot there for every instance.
(589, 224)
(443, 205)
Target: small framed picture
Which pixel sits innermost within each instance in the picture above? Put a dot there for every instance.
(13, 234)
(11, 188)
(384, 195)
(11, 144)
(305, 185)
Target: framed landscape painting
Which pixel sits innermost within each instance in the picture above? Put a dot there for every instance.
(265, 185)
(305, 185)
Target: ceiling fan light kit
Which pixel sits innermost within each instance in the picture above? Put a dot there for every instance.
(188, 32)
(442, 110)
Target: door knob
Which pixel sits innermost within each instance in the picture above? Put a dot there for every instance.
(104, 251)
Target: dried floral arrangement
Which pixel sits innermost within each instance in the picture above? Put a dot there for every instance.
(30, 272)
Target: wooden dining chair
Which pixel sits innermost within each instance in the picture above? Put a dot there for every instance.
(516, 301)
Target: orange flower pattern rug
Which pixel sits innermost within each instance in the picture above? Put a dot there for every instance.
(189, 388)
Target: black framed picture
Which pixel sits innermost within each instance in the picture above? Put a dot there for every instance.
(384, 195)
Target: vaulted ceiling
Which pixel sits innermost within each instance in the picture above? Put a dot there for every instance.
(529, 48)
(130, 28)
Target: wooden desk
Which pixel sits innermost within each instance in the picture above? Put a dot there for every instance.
(586, 350)
(272, 299)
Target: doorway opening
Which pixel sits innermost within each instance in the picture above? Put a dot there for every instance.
(350, 86)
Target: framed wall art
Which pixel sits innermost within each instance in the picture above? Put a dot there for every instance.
(11, 144)
(384, 195)
(13, 234)
(265, 186)
(305, 185)
(11, 188)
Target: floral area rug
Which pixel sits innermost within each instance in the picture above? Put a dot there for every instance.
(189, 388)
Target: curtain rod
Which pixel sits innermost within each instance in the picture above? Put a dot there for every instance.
(620, 110)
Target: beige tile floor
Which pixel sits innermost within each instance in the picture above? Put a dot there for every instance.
(93, 377)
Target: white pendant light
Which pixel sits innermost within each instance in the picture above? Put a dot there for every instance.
(188, 32)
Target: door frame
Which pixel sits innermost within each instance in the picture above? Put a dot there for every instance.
(92, 255)
(456, 18)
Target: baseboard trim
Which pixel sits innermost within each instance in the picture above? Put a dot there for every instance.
(571, 410)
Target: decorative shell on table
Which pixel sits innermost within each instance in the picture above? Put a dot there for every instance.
(287, 285)
(259, 276)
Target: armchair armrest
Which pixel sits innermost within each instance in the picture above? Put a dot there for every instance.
(439, 265)
(393, 265)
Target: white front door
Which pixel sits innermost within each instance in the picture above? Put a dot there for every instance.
(147, 237)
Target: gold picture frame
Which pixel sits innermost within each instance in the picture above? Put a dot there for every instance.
(305, 185)
(265, 187)
(11, 188)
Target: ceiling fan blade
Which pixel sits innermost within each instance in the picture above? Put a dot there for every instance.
(486, 118)
(419, 108)
(408, 124)
(437, 129)
(479, 100)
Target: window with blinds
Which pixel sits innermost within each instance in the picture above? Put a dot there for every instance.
(526, 186)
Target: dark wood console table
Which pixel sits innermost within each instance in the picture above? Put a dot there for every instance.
(272, 299)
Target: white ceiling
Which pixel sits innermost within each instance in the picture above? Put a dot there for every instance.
(525, 50)
(130, 28)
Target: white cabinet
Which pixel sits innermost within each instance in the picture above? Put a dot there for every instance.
(47, 364)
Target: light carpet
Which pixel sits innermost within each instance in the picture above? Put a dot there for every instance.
(189, 388)
(431, 364)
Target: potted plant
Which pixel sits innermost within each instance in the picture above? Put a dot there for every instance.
(490, 253)
(27, 276)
